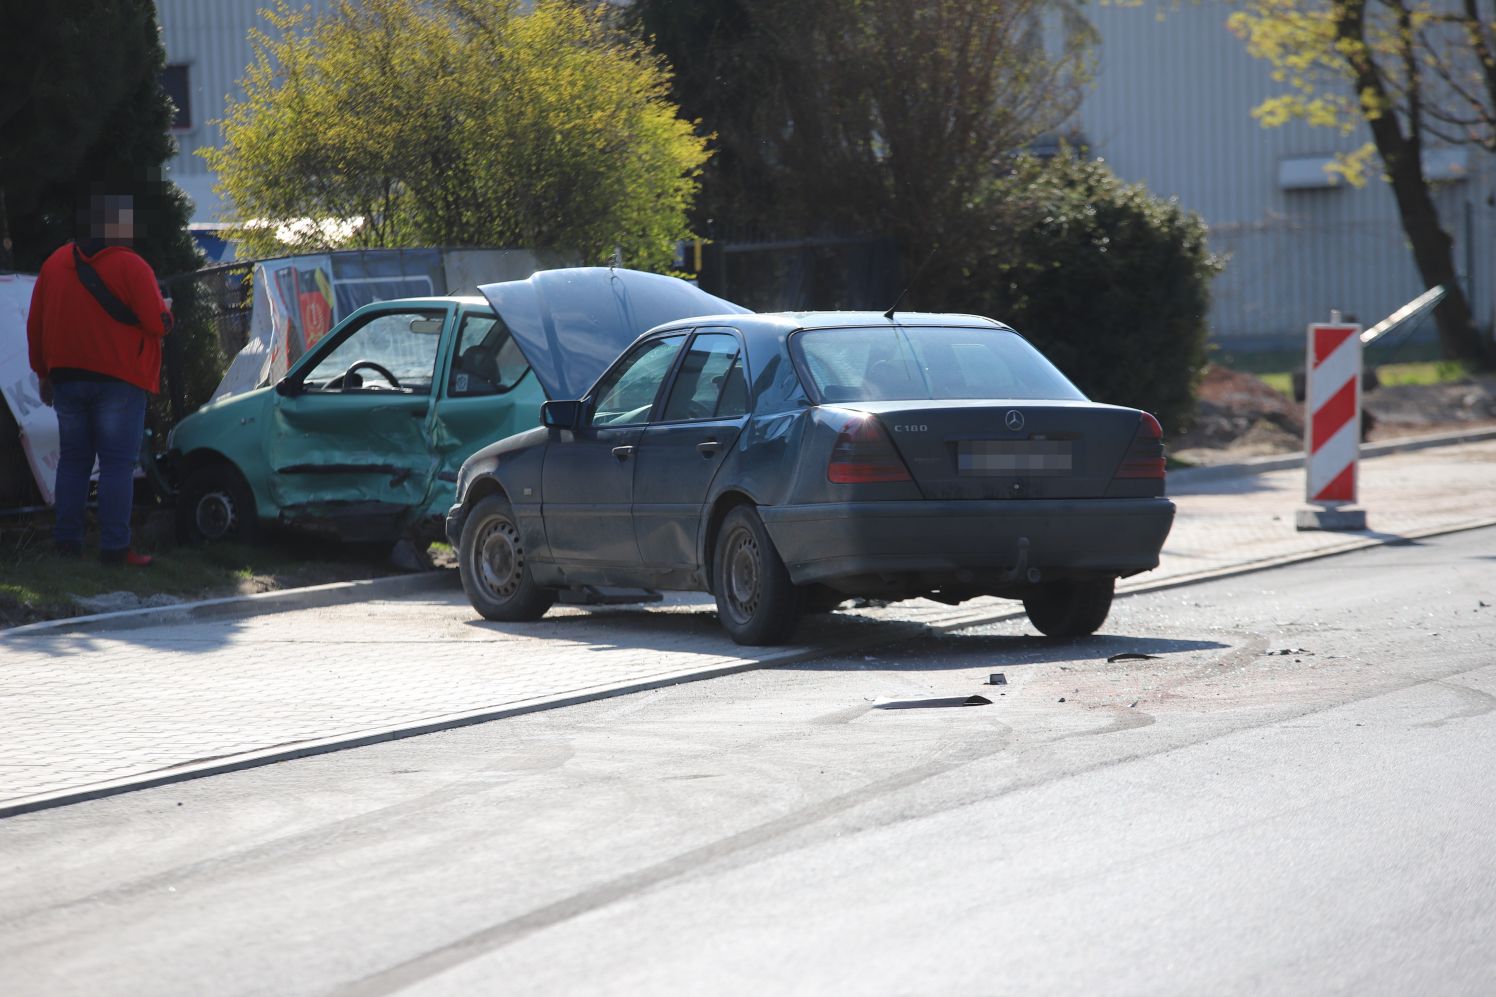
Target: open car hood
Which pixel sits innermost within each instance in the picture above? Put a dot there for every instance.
(572, 323)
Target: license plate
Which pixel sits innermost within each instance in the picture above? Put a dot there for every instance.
(1007, 457)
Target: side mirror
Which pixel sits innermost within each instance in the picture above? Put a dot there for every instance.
(287, 388)
(561, 415)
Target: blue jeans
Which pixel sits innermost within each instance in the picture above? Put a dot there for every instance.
(103, 419)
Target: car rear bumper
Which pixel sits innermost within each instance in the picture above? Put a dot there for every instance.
(969, 542)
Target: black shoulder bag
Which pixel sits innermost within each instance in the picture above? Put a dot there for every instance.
(117, 309)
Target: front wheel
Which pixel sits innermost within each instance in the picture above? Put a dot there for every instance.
(1072, 608)
(491, 561)
(215, 505)
(756, 601)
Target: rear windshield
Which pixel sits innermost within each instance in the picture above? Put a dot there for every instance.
(865, 365)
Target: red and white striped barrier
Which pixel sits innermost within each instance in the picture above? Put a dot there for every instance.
(1332, 426)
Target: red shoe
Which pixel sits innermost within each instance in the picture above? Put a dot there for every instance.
(126, 556)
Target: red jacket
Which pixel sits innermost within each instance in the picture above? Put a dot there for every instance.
(67, 327)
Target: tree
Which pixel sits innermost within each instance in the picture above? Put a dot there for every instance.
(1110, 282)
(463, 123)
(870, 115)
(82, 111)
(1412, 71)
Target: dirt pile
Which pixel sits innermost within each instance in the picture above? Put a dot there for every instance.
(1239, 415)
(1242, 413)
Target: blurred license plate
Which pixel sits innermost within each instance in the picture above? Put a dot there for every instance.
(978, 457)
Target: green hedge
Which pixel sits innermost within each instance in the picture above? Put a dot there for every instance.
(1111, 282)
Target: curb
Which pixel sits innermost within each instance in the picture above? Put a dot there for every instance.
(431, 725)
(1261, 465)
(311, 597)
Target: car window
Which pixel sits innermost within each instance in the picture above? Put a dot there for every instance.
(919, 362)
(392, 351)
(486, 359)
(710, 377)
(627, 393)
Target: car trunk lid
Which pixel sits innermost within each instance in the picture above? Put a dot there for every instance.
(998, 449)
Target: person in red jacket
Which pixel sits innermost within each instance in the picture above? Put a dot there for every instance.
(94, 332)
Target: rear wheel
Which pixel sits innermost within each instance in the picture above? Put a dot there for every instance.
(1072, 608)
(495, 573)
(215, 504)
(756, 601)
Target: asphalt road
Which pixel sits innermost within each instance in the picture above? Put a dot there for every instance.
(1294, 793)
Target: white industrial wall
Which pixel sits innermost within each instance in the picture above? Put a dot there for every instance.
(211, 37)
(1171, 108)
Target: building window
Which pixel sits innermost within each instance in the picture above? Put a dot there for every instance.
(174, 82)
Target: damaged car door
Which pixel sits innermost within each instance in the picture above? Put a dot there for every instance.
(350, 447)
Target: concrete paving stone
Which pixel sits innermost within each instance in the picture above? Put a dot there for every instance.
(85, 707)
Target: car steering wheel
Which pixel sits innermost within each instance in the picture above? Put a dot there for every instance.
(379, 369)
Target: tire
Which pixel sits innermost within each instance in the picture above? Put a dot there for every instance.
(491, 561)
(1069, 609)
(756, 601)
(215, 505)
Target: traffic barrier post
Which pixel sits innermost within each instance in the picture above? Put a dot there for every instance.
(1332, 427)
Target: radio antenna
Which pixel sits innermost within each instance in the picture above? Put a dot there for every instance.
(912, 281)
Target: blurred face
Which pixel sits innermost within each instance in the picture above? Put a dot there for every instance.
(111, 217)
(121, 228)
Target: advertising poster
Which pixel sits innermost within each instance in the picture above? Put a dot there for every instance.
(18, 384)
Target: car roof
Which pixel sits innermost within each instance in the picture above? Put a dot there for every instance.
(782, 322)
(438, 300)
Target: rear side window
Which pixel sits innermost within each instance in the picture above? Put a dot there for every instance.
(885, 364)
(486, 360)
(710, 383)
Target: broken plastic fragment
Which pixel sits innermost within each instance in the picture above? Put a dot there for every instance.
(997, 678)
(1132, 656)
(977, 701)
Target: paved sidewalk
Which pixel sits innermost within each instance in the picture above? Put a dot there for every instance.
(87, 713)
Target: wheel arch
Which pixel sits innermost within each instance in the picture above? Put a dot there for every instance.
(196, 460)
(721, 506)
(481, 489)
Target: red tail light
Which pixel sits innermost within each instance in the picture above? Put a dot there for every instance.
(1145, 457)
(863, 453)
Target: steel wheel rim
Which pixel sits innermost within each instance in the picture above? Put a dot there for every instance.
(215, 515)
(743, 586)
(501, 559)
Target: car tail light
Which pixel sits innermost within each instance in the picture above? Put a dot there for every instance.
(1145, 457)
(863, 453)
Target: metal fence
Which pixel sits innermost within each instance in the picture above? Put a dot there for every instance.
(857, 271)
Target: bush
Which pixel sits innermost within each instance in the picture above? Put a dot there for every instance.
(1111, 282)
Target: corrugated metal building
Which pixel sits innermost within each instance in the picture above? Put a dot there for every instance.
(1172, 109)
(207, 51)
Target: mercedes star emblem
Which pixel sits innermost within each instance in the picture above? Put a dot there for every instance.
(1014, 420)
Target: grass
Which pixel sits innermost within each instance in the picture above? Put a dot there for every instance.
(36, 583)
(1416, 364)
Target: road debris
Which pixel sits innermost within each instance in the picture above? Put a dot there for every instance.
(997, 678)
(1286, 651)
(1131, 656)
(977, 701)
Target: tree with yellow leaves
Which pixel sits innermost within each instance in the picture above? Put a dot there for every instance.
(459, 123)
(1414, 73)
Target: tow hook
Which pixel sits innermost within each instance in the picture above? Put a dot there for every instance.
(1021, 571)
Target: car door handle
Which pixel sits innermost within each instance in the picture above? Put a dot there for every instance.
(707, 448)
(623, 453)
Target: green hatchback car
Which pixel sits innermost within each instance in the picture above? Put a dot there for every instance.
(363, 437)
